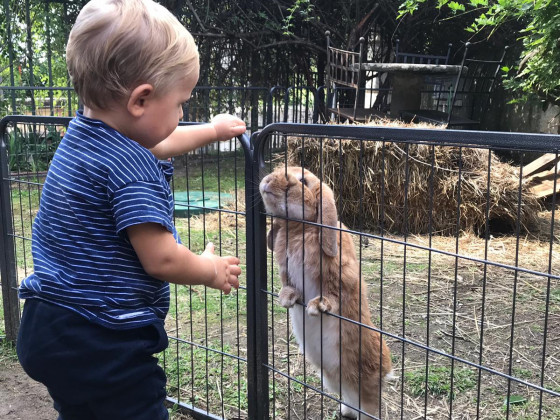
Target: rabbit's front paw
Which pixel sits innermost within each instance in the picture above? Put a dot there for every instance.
(317, 305)
(288, 296)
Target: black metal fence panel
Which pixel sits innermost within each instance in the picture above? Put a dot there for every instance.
(455, 266)
(206, 360)
(456, 262)
(28, 144)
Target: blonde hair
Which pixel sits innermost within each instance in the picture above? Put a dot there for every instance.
(116, 45)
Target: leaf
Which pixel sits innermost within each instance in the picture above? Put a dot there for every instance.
(409, 7)
(455, 7)
(515, 400)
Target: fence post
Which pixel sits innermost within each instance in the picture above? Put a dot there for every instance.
(270, 101)
(8, 276)
(257, 319)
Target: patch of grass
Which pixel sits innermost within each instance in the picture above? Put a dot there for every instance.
(200, 301)
(536, 328)
(554, 301)
(196, 233)
(278, 309)
(371, 267)
(438, 381)
(206, 378)
(310, 379)
(25, 204)
(225, 173)
(7, 353)
(530, 409)
(526, 295)
(176, 414)
(522, 373)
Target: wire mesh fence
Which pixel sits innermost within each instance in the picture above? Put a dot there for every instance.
(206, 359)
(456, 263)
(445, 255)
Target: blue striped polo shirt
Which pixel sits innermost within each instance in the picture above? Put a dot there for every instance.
(99, 183)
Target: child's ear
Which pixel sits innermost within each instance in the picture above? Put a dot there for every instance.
(136, 104)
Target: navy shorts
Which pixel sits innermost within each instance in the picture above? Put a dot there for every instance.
(90, 371)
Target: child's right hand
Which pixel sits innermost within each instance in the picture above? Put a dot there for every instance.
(226, 270)
(227, 126)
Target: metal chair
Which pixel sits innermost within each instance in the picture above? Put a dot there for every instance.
(437, 87)
(414, 58)
(469, 97)
(344, 80)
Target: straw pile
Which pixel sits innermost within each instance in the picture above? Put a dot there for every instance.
(377, 187)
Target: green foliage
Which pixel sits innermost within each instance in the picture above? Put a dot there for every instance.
(438, 381)
(35, 61)
(514, 400)
(538, 71)
(210, 376)
(48, 36)
(31, 151)
(242, 43)
(302, 9)
(7, 352)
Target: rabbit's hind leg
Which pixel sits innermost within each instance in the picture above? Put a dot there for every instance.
(350, 397)
(332, 383)
(368, 403)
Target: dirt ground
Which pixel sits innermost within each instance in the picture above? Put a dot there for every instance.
(21, 398)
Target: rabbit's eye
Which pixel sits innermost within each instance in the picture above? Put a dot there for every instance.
(303, 181)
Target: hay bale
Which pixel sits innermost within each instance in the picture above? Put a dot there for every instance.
(378, 187)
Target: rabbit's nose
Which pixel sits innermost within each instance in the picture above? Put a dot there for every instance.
(264, 183)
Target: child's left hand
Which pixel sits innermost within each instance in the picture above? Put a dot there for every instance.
(227, 126)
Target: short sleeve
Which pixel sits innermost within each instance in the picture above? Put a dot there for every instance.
(166, 168)
(142, 202)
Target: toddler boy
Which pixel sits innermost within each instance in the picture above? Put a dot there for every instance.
(104, 245)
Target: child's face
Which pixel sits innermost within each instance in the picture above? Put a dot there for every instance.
(163, 113)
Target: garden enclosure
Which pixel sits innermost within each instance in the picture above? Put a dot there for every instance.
(469, 305)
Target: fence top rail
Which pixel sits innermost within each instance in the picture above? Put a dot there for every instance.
(32, 119)
(549, 143)
(38, 119)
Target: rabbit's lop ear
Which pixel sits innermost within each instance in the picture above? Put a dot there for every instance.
(272, 234)
(327, 216)
(270, 239)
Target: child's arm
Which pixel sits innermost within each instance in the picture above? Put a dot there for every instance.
(189, 137)
(166, 260)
